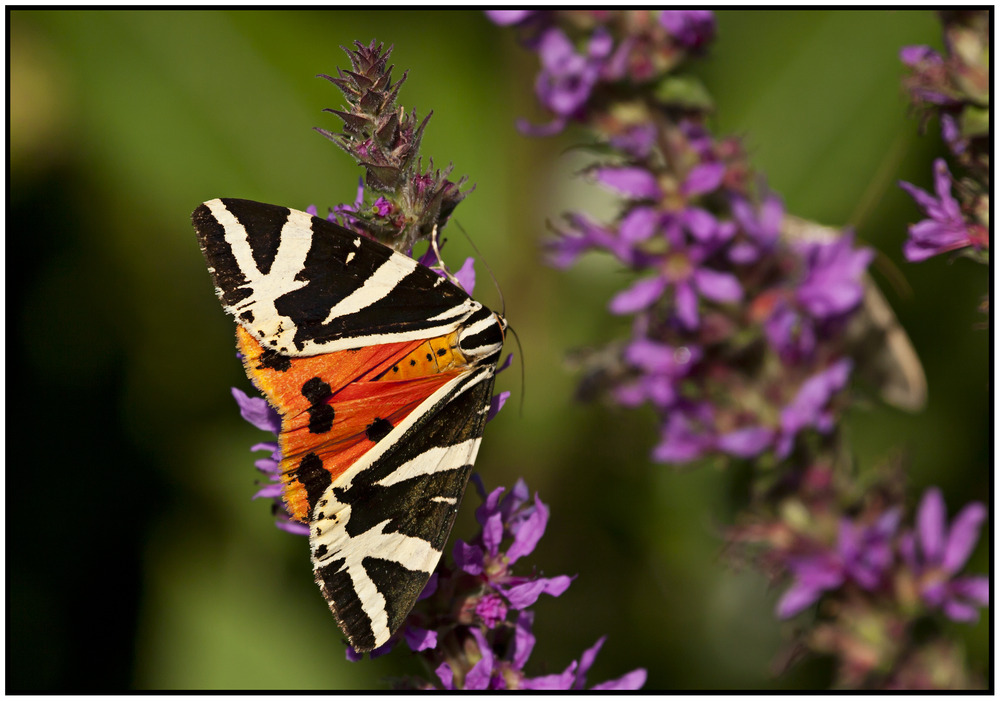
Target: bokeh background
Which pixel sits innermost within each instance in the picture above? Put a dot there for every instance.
(135, 558)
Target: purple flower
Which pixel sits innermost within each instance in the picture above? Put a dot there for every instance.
(637, 141)
(832, 285)
(945, 228)
(582, 235)
(491, 672)
(680, 269)
(809, 408)
(508, 17)
(692, 28)
(567, 78)
(509, 519)
(913, 56)
(761, 227)
(942, 553)
(746, 442)
(685, 435)
(863, 555)
(662, 368)
(790, 333)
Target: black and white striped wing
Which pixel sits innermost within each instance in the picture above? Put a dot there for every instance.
(302, 285)
(377, 532)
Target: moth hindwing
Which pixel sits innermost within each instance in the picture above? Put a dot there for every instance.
(382, 372)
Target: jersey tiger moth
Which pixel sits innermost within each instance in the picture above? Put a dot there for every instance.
(382, 372)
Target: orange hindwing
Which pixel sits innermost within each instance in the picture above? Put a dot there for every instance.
(334, 407)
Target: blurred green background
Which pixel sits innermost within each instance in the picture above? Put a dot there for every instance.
(136, 560)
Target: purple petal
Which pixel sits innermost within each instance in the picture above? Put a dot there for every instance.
(514, 499)
(799, 597)
(257, 412)
(420, 638)
(489, 505)
(271, 491)
(692, 28)
(746, 442)
(542, 130)
(634, 182)
(521, 596)
(703, 178)
(975, 589)
(563, 681)
(639, 296)
(529, 532)
(923, 198)
(293, 527)
(466, 275)
(446, 676)
(587, 661)
(496, 403)
(720, 287)
(493, 534)
(912, 55)
(524, 641)
(638, 225)
(687, 304)
(931, 525)
(430, 587)
(468, 557)
(963, 536)
(942, 186)
(960, 611)
(702, 225)
(632, 681)
(508, 17)
(479, 676)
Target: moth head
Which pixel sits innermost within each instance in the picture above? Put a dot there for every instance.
(481, 337)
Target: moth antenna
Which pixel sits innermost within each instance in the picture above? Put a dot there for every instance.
(503, 304)
(520, 352)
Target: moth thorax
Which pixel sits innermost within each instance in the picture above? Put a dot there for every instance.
(481, 337)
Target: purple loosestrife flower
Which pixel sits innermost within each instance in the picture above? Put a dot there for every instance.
(945, 228)
(566, 79)
(863, 555)
(462, 625)
(258, 413)
(935, 554)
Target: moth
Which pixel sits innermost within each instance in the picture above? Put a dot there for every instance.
(382, 372)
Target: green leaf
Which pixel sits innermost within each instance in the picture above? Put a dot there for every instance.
(684, 91)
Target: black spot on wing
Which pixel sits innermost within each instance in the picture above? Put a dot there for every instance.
(321, 414)
(378, 429)
(313, 476)
(271, 359)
